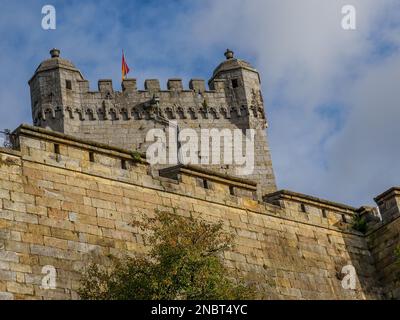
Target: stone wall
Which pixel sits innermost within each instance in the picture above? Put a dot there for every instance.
(66, 201)
(383, 239)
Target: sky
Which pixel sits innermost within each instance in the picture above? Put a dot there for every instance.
(332, 96)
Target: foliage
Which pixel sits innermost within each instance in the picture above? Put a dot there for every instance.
(7, 162)
(397, 254)
(183, 263)
(359, 223)
(136, 156)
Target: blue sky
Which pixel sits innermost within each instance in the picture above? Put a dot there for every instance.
(332, 96)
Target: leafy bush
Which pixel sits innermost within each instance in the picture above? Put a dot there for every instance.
(397, 254)
(359, 223)
(7, 162)
(136, 157)
(183, 263)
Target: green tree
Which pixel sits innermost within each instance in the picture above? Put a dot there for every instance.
(184, 262)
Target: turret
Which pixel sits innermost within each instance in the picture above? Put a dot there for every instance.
(242, 84)
(243, 94)
(55, 85)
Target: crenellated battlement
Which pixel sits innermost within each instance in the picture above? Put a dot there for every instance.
(132, 104)
(106, 111)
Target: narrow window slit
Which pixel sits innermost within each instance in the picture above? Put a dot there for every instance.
(68, 84)
(123, 164)
(235, 83)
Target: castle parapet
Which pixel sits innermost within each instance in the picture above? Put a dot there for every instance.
(316, 209)
(175, 84)
(217, 84)
(83, 86)
(129, 85)
(389, 204)
(152, 85)
(105, 86)
(198, 85)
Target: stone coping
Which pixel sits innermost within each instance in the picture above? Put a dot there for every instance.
(10, 151)
(214, 77)
(53, 64)
(390, 192)
(25, 129)
(286, 194)
(208, 174)
(194, 170)
(38, 132)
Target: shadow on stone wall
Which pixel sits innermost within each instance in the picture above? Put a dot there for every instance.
(356, 253)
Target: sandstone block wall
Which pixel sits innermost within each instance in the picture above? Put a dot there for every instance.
(383, 240)
(65, 201)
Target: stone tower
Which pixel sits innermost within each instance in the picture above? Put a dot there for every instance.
(54, 86)
(242, 85)
(61, 101)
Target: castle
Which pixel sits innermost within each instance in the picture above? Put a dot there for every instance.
(62, 101)
(71, 188)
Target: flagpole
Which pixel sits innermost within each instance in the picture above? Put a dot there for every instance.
(122, 70)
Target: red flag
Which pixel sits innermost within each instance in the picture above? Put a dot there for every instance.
(125, 68)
